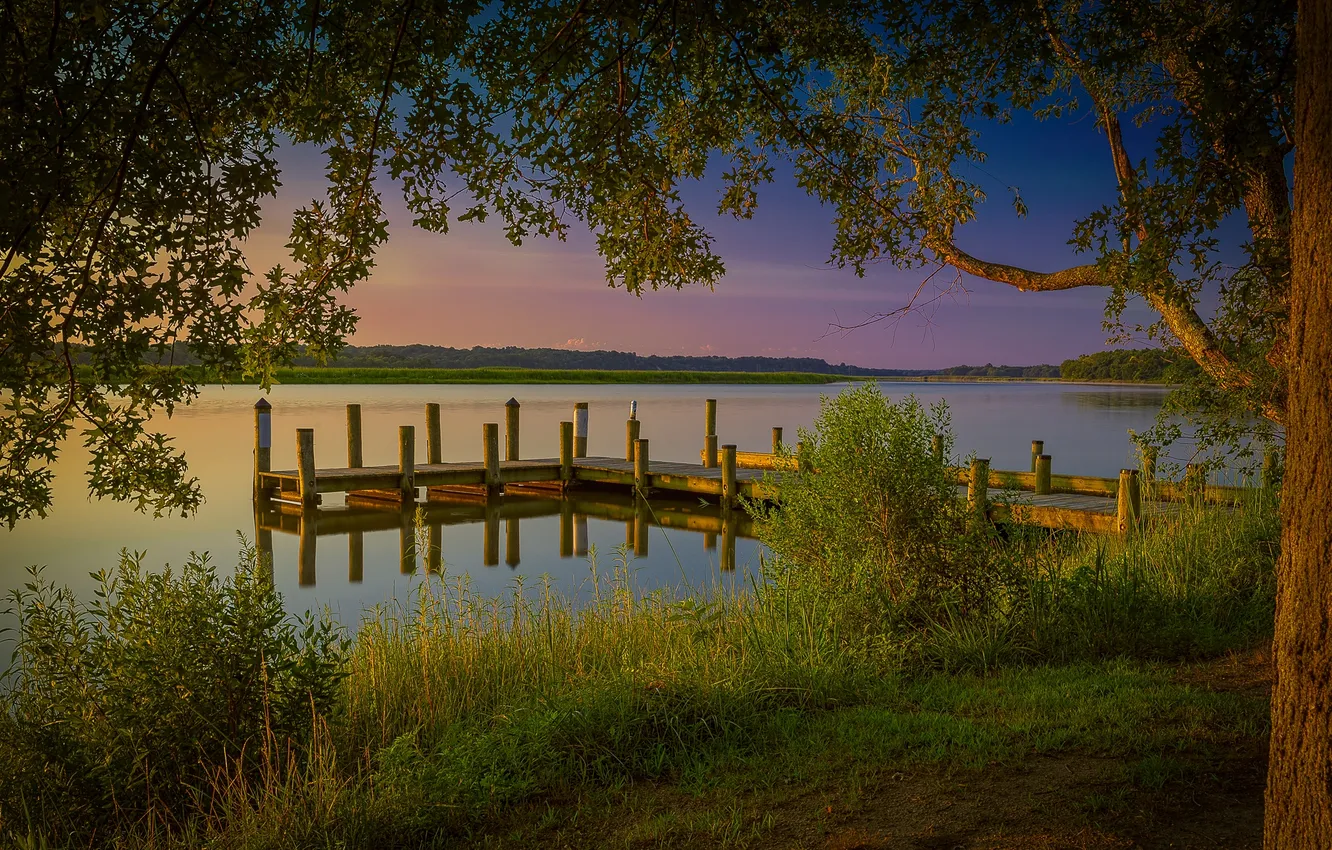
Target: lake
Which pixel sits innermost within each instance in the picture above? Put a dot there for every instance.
(1085, 429)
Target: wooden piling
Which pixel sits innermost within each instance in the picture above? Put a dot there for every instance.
(511, 542)
(936, 446)
(434, 449)
(1037, 449)
(1043, 475)
(355, 556)
(710, 433)
(1128, 503)
(802, 464)
(566, 452)
(263, 445)
(305, 466)
(642, 472)
(490, 451)
(631, 431)
(728, 476)
(710, 451)
(709, 540)
(355, 460)
(978, 486)
(407, 462)
(511, 409)
(580, 429)
(777, 440)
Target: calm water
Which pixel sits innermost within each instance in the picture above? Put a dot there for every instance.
(1084, 428)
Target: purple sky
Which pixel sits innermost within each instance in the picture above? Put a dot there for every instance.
(780, 296)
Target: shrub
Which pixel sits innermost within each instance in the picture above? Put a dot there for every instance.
(873, 522)
(126, 708)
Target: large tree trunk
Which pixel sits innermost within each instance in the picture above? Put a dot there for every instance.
(1299, 780)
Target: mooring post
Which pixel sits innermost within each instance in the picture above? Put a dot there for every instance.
(490, 454)
(356, 557)
(263, 445)
(566, 452)
(978, 486)
(580, 429)
(631, 430)
(354, 458)
(936, 446)
(777, 440)
(710, 433)
(1043, 475)
(1037, 449)
(434, 449)
(511, 408)
(511, 540)
(305, 467)
(642, 473)
(407, 462)
(490, 550)
(728, 476)
(801, 463)
(566, 528)
(1128, 504)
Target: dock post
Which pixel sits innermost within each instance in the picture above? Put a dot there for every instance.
(566, 452)
(728, 476)
(1037, 449)
(777, 440)
(580, 535)
(511, 554)
(566, 528)
(434, 451)
(407, 462)
(356, 557)
(305, 466)
(580, 429)
(490, 452)
(631, 431)
(305, 571)
(641, 528)
(490, 550)
(978, 486)
(642, 473)
(1128, 504)
(511, 408)
(801, 463)
(710, 433)
(1271, 469)
(936, 446)
(354, 458)
(1043, 475)
(263, 445)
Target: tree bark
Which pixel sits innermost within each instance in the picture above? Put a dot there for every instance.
(1299, 781)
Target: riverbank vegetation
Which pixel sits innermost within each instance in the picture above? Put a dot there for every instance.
(891, 633)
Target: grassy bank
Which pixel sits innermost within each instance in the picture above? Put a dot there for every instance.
(517, 375)
(185, 712)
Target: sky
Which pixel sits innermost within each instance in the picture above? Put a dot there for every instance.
(780, 296)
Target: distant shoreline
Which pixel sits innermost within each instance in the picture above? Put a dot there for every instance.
(518, 375)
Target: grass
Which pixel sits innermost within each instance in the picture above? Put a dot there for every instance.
(665, 718)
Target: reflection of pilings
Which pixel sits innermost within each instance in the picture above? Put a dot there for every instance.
(728, 542)
(511, 555)
(566, 529)
(709, 540)
(641, 527)
(435, 555)
(580, 535)
(407, 548)
(356, 556)
(306, 571)
(490, 555)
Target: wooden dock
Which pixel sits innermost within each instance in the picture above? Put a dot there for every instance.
(574, 486)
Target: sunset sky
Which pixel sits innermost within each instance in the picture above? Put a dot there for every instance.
(780, 296)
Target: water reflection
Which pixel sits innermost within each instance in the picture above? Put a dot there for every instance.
(420, 526)
(1119, 399)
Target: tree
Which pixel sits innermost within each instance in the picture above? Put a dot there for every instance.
(1299, 778)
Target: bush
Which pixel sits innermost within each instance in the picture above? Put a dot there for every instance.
(125, 709)
(873, 522)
